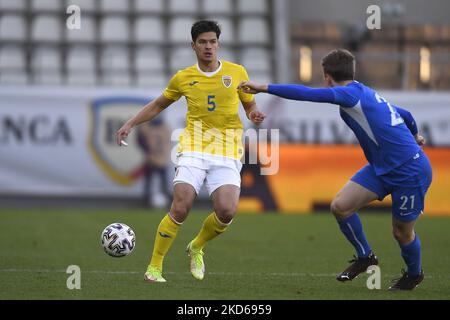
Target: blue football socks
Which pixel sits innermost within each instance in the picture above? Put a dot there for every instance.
(411, 255)
(352, 228)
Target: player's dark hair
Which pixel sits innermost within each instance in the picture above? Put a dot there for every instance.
(204, 26)
(339, 64)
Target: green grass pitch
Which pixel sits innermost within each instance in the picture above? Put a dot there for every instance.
(267, 256)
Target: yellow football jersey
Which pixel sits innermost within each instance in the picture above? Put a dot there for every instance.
(213, 125)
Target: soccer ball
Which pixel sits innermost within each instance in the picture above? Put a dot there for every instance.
(118, 240)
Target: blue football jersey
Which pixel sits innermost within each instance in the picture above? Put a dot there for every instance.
(380, 127)
(381, 131)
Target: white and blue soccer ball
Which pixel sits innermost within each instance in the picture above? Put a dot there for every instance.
(118, 239)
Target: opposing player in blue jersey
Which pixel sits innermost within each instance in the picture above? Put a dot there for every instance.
(391, 143)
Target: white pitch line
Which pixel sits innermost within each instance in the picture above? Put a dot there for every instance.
(139, 272)
(275, 274)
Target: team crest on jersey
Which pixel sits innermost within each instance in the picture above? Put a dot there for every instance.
(124, 165)
(227, 81)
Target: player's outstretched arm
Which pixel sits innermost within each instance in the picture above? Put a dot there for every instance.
(252, 87)
(290, 91)
(147, 113)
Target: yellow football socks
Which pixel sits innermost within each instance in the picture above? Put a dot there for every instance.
(211, 228)
(165, 235)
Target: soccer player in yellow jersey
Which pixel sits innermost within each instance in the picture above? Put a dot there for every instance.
(210, 147)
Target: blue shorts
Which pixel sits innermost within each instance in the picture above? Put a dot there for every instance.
(407, 184)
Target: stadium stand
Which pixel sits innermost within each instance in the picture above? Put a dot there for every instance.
(125, 42)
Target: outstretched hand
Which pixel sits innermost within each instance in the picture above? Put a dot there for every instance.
(252, 87)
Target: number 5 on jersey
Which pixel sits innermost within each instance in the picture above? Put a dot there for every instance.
(211, 103)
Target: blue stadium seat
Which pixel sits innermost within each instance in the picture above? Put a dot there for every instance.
(13, 28)
(12, 65)
(253, 30)
(122, 6)
(227, 54)
(149, 29)
(180, 30)
(16, 5)
(256, 59)
(47, 28)
(149, 58)
(85, 5)
(115, 66)
(152, 80)
(215, 7)
(253, 6)
(227, 27)
(46, 5)
(182, 6)
(180, 58)
(144, 6)
(46, 65)
(12, 57)
(81, 66)
(114, 29)
(87, 32)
